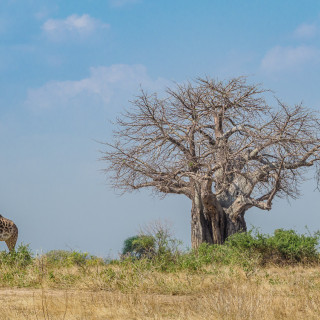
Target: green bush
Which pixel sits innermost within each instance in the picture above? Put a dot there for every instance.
(59, 257)
(21, 257)
(165, 243)
(284, 246)
(252, 249)
(154, 248)
(139, 246)
(294, 247)
(64, 258)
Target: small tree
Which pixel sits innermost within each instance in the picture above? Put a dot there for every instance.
(218, 143)
(154, 240)
(139, 246)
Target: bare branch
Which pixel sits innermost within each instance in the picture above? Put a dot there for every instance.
(219, 134)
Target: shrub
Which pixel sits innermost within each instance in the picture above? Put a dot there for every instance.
(291, 246)
(284, 246)
(21, 257)
(155, 246)
(139, 246)
(64, 258)
(252, 249)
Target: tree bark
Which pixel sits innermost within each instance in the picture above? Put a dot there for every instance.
(210, 223)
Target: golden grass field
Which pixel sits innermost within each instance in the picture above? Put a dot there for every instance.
(291, 292)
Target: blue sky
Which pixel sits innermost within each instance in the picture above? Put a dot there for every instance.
(69, 67)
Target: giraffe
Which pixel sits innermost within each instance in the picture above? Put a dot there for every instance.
(8, 232)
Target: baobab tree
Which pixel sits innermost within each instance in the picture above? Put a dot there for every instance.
(218, 143)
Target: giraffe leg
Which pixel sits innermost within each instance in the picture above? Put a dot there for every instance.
(11, 242)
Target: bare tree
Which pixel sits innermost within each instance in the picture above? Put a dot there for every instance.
(218, 143)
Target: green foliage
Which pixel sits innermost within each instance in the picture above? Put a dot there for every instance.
(64, 258)
(154, 249)
(252, 249)
(285, 246)
(22, 257)
(248, 250)
(294, 247)
(139, 246)
(165, 244)
(128, 247)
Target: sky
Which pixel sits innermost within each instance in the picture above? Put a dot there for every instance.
(68, 69)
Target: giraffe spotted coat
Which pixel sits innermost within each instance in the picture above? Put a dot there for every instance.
(8, 232)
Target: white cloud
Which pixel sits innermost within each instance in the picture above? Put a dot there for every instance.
(121, 3)
(105, 85)
(286, 58)
(306, 31)
(72, 26)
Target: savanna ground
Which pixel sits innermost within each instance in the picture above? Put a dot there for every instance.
(251, 277)
(272, 293)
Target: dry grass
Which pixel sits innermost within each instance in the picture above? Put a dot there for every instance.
(220, 293)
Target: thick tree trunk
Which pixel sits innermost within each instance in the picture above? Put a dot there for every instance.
(210, 223)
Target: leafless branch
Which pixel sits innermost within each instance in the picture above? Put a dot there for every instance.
(222, 134)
